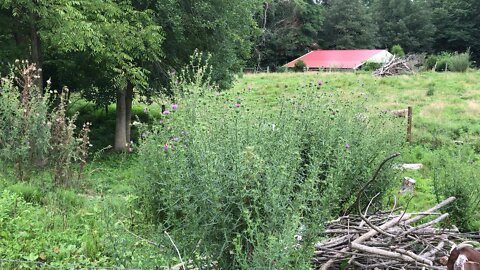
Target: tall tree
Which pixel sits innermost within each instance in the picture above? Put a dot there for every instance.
(348, 25)
(404, 22)
(289, 29)
(458, 26)
(114, 35)
(222, 28)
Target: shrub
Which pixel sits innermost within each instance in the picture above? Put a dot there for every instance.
(459, 62)
(299, 66)
(235, 185)
(431, 62)
(371, 66)
(34, 129)
(448, 61)
(282, 69)
(397, 50)
(456, 173)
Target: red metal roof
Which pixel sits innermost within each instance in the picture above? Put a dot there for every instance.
(335, 58)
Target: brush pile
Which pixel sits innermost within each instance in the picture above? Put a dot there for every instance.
(388, 241)
(395, 66)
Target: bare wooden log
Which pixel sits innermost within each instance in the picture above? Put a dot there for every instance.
(366, 236)
(425, 225)
(434, 250)
(382, 252)
(335, 242)
(431, 210)
(414, 256)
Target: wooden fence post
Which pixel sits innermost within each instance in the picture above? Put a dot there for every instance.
(409, 127)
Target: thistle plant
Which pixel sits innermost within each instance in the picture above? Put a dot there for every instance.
(35, 131)
(236, 186)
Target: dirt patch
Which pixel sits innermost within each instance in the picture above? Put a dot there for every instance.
(433, 109)
(473, 107)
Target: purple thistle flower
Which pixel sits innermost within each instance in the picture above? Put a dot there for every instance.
(145, 110)
(320, 83)
(166, 112)
(347, 146)
(174, 106)
(237, 105)
(165, 147)
(161, 121)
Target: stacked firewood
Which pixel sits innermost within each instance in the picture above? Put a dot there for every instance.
(395, 66)
(388, 240)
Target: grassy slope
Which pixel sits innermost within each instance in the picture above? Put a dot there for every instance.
(450, 114)
(452, 111)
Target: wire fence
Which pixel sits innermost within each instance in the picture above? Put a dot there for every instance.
(25, 264)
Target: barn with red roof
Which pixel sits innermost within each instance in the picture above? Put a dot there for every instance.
(341, 59)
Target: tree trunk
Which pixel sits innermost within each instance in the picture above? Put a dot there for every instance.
(128, 110)
(36, 54)
(121, 120)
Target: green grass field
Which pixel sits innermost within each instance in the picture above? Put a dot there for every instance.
(446, 106)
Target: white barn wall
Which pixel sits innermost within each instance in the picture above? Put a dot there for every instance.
(381, 57)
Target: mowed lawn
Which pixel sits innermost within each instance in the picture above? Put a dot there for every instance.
(446, 106)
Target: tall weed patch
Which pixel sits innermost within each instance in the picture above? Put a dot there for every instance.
(35, 131)
(456, 172)
(240, 187)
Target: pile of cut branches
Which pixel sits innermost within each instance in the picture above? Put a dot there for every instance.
(395, 66)
(388, 240)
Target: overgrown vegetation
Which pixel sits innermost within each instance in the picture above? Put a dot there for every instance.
(244, 183)
(236, 178)
(458, 177)
(397, 50)
(456, 62)
(35, 131)
(300, 66)
(371, 66)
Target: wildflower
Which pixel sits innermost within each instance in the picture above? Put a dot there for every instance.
(161, 121)
(174, 106)
(320, 83)
(165, 147)
(49, 81)
(347, 146)
(166, 112)
(237, 105)
(145, 110)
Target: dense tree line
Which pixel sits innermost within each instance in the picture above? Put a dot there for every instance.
(112, 50)
(291, 28)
